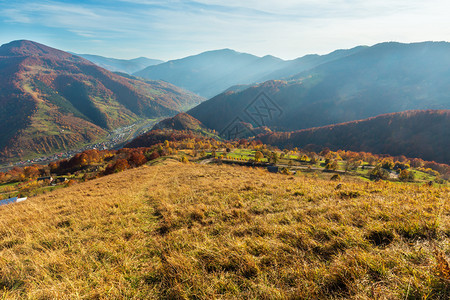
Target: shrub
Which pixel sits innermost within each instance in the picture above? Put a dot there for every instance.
(286, 171)
(71, 182)
(352, 164)
(378, 173)
(349, 194)
(152, 156)
(335, 177)
(442, 265)
(387, 164)
(331, 165)
(258, 156)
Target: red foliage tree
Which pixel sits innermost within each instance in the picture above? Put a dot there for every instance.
(119, 166)
(31, 172)
(137, 159)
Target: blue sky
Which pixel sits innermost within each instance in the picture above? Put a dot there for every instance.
(175, 28)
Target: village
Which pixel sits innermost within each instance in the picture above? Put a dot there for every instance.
(114, 140)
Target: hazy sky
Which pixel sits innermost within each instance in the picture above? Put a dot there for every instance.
(176, 28)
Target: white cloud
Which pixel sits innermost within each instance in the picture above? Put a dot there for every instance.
(83, 33)
(287, 28)
(75, 18)
(15, 16)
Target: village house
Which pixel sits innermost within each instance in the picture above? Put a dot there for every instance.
(60, 179)
(273, 169)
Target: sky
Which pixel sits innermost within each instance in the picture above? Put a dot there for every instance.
(176, 28)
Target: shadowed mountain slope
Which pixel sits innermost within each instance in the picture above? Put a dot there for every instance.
(385, 78)
(423, 134)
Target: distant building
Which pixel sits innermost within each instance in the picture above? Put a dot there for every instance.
(12, 200)
(8, 201)
(273, 169)
(60, 179)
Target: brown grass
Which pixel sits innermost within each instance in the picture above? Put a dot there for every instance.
(178, 231)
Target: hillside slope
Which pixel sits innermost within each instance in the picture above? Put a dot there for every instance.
(423, 134)
(384, 78)
(51, 100)
(207, 232)
(181, 121)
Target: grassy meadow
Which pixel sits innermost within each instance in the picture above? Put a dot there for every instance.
(191, 231)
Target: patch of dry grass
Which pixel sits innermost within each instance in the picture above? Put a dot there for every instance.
(179, 231)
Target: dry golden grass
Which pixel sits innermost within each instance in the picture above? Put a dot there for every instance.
(178, 231)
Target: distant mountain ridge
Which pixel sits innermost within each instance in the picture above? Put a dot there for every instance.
(52, 100)
(210, 73)
(128, 66)
(201, 73)
(385, 78)
(292, 67)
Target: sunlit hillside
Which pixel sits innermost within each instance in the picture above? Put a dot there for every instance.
(178, 231)
(53, 101)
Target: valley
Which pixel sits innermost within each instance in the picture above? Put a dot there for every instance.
(113, 140)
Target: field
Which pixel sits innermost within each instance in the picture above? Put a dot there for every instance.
(178, 231)
(296, 162)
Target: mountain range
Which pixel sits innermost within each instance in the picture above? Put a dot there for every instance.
(212, 72)
(52, 100)
(128, 66)
(385, 78)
